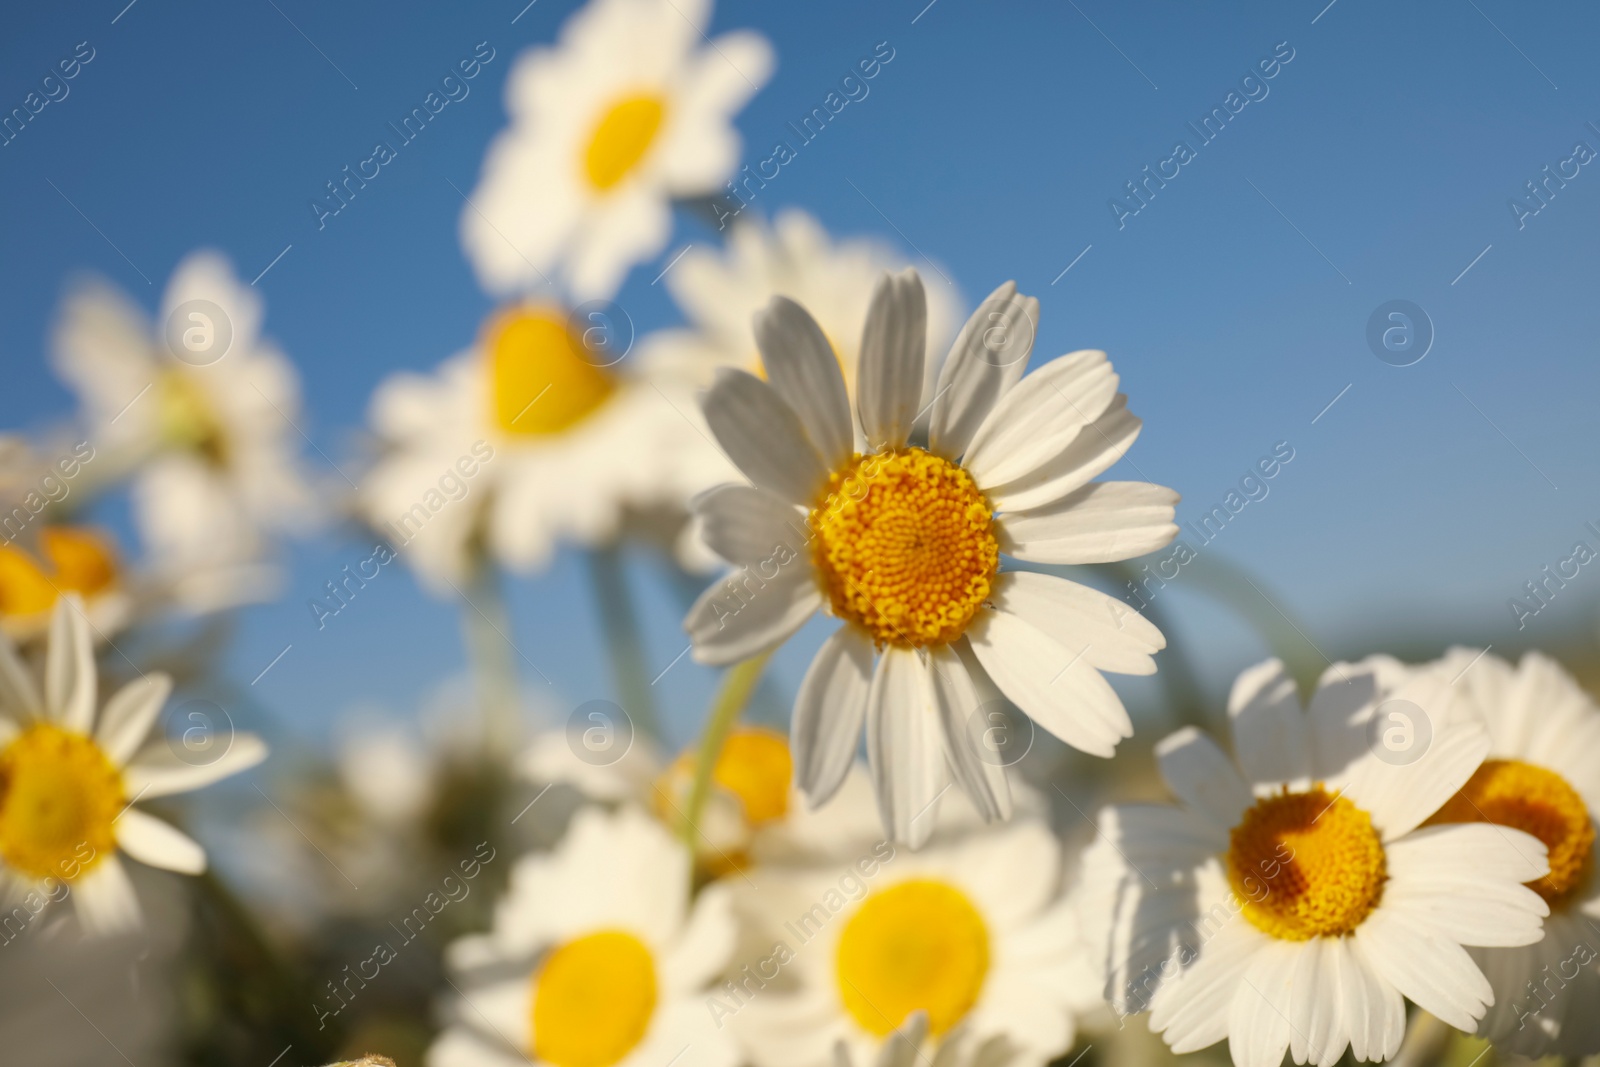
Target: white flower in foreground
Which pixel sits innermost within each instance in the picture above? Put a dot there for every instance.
(71, 771)
(1542, 776)
(903, 543)
(210, 437)
(631, 108)
(1296, 897)
(529, 439)
(974, 934)
(597, 958)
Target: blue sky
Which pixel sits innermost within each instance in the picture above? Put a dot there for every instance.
(1376, 164)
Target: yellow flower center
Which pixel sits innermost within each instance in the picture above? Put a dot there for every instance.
(755, 766)
(539, 381)
(621, 138)
(1538, 802)
(917, 946)
(79, 561)
(905, 546)
(188, 419)
(59, 798)
(593, 1000)
(1306, 865)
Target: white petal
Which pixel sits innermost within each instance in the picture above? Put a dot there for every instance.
(1258, 1019)
(987, 359)
(1399, 796)
(1040, 417)
(1433, 971)
(1191, 1011)
(1317, 1031)
(1466, 882)
(105, 900)
(1115, 637)
(905, 749)
(977, 770)
(704, 944)
(1202, 776)
(156, 770)
(763, 436)
(19, 696)
(829, 712)
(748, 526)
(158, 844)
(744, 614)
(1050, 683)
(1374, 1010)
(804, 371)
(69, 674)
(1103, 522)
(1091, 453)
(889, 373)
(126, 719)
(1269, 730)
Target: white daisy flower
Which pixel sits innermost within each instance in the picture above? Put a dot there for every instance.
(902, 542)
(631, 108)
(597, 958)
(972, 933)
(904, 1048)
(211, 435)
(1542, 776)
(1297, 896)
(527, 440)
(62, 560)
(71, 771)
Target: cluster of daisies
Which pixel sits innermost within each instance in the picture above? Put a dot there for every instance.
(1419, 833)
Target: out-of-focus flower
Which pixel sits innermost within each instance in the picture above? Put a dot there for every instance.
(632, 108)
(71, 771)
(1297, 897)
(902, 542)
(527, 439)
(904, 1048)
(597, 958)
(1543, 777)
(68, 559)
(974, 933)
(201, 410)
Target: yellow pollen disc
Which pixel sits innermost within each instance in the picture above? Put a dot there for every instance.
(917, 946)
(188, 419)
(593, 999)
(1306, 865)
(621, 138)
(1535, 801)
(59, 796)
(80, 561)
(25, 589)
(905, 546)
(755, 766)
(539, 381)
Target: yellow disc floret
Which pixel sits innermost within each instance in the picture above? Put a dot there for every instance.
(905, 547)
(59, 798)
(540, 382)
(917, 946)
(1306, 865)
(75, 559)
(1535, 801)
(593, 999)
(755, 766)
(621, 138)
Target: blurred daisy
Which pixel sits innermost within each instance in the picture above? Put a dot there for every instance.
(1296, 897)
(201, 410)
(71, 771)
(625, 113)
(528, 439)
(67, 559)
(597, 958)
(904, 1048)
(902, 542)
(1543, 777)
(973, 934)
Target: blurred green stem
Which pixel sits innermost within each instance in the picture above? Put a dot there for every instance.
(619, 619)
(737, 686)
(487, 627)
(1230, 584)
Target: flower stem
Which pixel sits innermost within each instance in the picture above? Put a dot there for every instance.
(485, 627)
(620, 622)
(737, 685)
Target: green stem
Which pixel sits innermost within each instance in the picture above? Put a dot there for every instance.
(620, 622)
(1230, 584)
(486, 627)
(737, 685)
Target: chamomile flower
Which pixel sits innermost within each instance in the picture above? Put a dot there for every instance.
(597, 958)
(1297, 898)
(972, 933)
(1542, 776)
(531, 438)
(904, 1048)
(71, 771)
(200, 409)
(630, 109)
(902, 542)
(66, 559)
